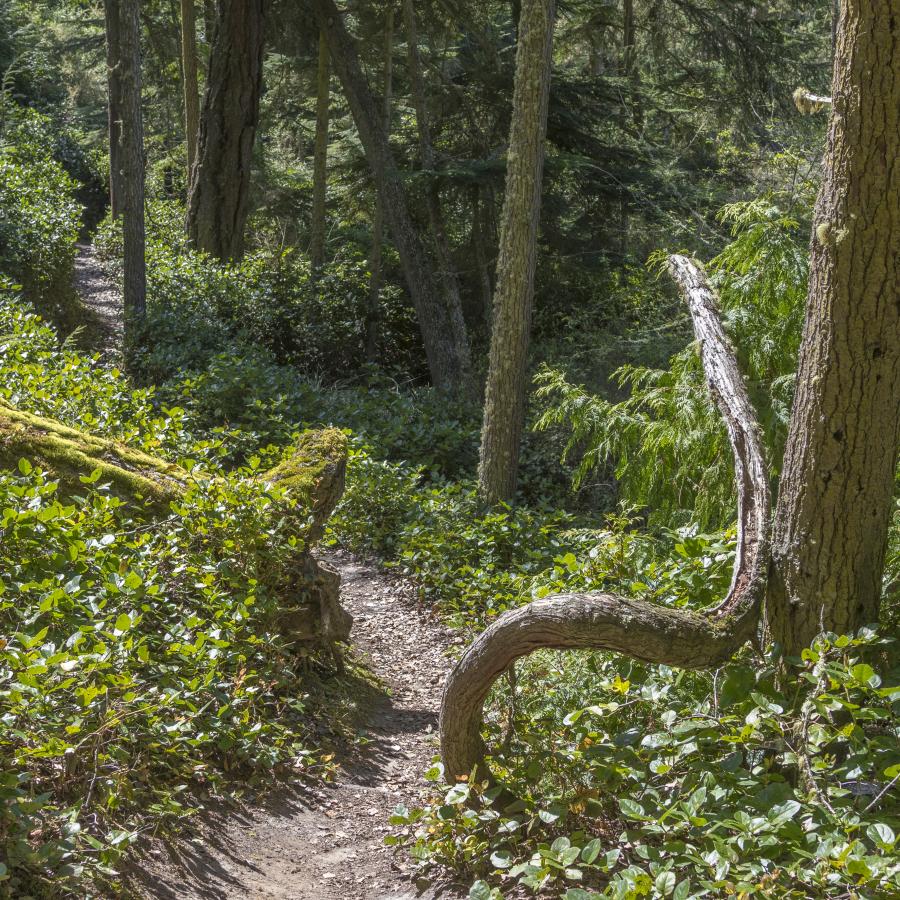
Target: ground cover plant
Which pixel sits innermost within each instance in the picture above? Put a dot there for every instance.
(447, 230)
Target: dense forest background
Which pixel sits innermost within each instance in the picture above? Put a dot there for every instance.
(281, 296)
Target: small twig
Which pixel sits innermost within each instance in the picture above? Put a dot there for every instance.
(883, 791)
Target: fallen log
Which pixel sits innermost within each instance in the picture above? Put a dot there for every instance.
(312, 475)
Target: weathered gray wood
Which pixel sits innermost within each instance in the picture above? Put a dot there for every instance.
(638, 628)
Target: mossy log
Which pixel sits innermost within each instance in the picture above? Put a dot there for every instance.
(313, 475)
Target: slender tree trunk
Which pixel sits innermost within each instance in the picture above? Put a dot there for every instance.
(504, 407)
(446, 268)
(448, 355)
(376, 252)
(837, 489)
(132, 145)
(320, 157)
(114, 109)
(481, 240)
(190, 83)
(218, 203)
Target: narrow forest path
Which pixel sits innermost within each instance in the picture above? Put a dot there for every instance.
(313, 841)
(102, 301)
(326, 842)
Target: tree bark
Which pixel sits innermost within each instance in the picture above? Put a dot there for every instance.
(320, 157)
(190, 83)
(446, 269)
(837, 486)
(132, 157)
(313, 476)
(638, 628)
(836, 493)
(114, 105)
(218, 203)
(376, 257)
(504, 407)
(448, 356)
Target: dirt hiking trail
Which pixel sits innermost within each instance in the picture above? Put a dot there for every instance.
(315, 841)
(326, 841)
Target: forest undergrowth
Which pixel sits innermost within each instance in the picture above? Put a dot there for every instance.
(139, 668)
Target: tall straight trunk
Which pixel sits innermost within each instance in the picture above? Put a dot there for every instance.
(447, 270)
(482, 239)
(376, 252)
(504, 406)
(320, 157)
(836, 499)
(132, 147)
(189, 82)
(446, 347)
(218, 202)
(114, 105)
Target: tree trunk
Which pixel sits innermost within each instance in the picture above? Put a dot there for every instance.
(190, 83)
(313, 476)
(446, 269)
(504, 406)
(641, 629)
(373, 313)
(218, 203)
(837, 484)
(836, 492)
(132, 145)
(448, 356)
(114, 108)
(320, 157)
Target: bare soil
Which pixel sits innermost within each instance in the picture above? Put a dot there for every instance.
(321, 841)
(104, 319)
(326, 842)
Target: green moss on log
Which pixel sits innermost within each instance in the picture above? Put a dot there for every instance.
(313, 473)
(67, 454)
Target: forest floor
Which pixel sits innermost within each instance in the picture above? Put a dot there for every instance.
(325, 841)
(104, 320)
(316, 840)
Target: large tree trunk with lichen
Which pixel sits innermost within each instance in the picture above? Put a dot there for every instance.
(190, 82)
(504, 401)
(836, 497)
(838, 473)
(313, 474)
(219, 198)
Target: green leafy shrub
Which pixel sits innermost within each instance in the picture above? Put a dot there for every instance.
(39, 216)
(137, 664)
(270, 300)
(666, 439)
(642, 781)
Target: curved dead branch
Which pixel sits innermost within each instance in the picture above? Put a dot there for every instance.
(637, 628)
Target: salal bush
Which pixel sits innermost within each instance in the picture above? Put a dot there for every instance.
(270, 299)
(623, 780)
(39, 216)
(138, 663)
